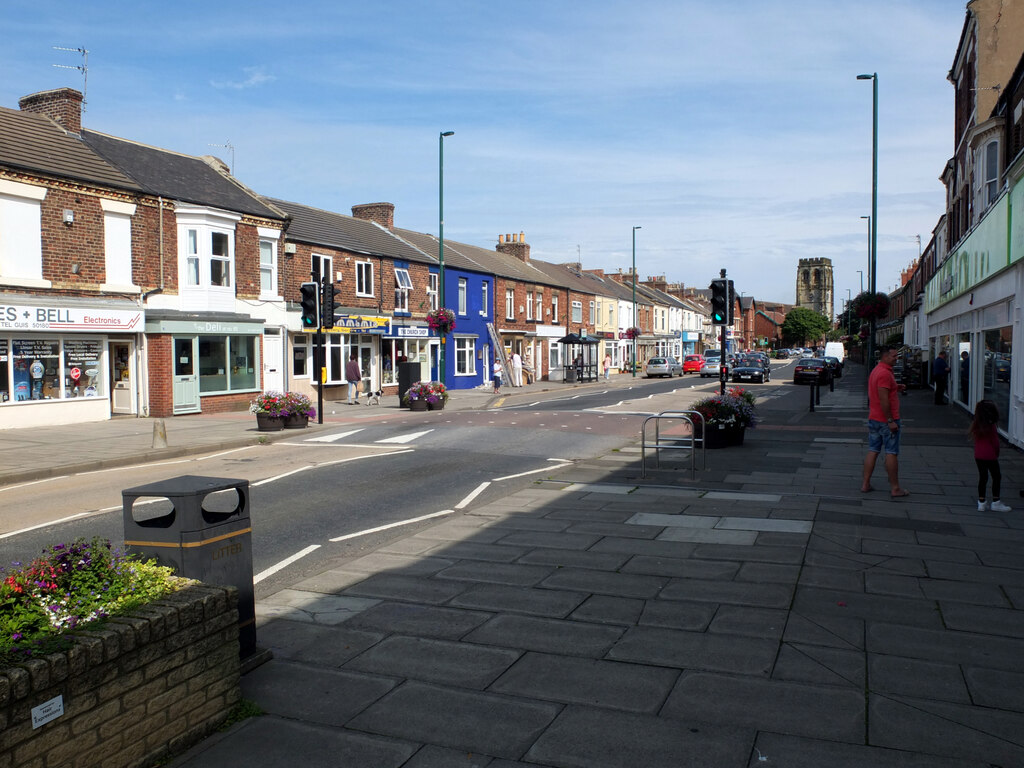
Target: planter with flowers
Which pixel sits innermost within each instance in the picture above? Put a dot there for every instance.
(270, 409)
(438, 396)
(415, 397)
(441, 320)
(726, 417)
(300, 410)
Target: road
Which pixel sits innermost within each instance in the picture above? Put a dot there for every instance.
(316, 500)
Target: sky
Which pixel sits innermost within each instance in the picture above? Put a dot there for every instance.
(735, 135)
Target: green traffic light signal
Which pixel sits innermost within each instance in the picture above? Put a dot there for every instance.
(309, 293)
(720, 302)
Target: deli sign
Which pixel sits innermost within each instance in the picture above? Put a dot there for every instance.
(27, 317)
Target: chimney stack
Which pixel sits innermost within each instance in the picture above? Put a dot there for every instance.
(62, 105)
(514, 245)
(381, 213)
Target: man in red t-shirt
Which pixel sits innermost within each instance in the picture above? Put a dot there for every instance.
(884, 423)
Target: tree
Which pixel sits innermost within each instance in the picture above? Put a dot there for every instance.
(802, 325)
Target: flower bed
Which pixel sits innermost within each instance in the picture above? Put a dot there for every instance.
(734, 408)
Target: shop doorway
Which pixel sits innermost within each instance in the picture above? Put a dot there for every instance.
(186, 377)
(122, 386)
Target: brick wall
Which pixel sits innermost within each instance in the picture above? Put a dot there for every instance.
(161, 394)
(144, 685)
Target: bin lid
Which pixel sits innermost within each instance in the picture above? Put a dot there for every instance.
(185, 485)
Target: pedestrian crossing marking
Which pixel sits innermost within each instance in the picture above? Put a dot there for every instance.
(402, 439)
(333, 438)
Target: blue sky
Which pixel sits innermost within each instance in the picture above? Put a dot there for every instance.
(735, 134)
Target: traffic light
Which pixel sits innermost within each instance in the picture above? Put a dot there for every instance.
(310, 306)
(327, 304)
(721, 302)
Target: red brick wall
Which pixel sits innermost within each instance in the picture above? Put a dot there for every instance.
(161, 394)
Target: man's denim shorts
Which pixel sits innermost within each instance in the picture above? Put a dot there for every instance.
(880, 436)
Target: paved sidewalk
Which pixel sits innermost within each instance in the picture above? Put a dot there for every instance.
(768, 613)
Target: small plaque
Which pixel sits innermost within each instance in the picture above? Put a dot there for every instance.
(47, 711)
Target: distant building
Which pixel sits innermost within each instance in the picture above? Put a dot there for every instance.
(814, 286)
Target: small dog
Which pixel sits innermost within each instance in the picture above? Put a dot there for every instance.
(373, 398)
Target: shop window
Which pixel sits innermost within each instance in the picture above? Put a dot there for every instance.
(302, 357)
(36, 364)
(51, 369)
(83, 368)
(227, 364)
(998, 364)
(465, 356)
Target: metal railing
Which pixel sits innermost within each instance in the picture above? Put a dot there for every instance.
(688, 442)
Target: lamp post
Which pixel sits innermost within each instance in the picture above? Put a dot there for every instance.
(873, 221)
(440, 242)
(869, 255)
(849, 315)
(635, 324)
(861, 273)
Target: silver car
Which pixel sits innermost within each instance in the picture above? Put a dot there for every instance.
(663, 366)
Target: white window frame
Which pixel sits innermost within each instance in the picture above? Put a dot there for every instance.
(403, 284)
(529, 305)
(320, 266)
(577, 312)
(21, 235)
(990, 185)
(466, 347)
(222, 263)
(463, 288)
(510, 303)
(484, 299)
(270, 238)
(196, 257)
(364, 278)
(554, 308)
(117, 246)
(540, 306)
(593, 313)
(432, 293)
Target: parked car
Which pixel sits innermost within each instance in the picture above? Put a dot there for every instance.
(835, 364)
(693, 363)
(751, 368)
(663, 366)
(781, 354)
(713, 367)
(810, 370)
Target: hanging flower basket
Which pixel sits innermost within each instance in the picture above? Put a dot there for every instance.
(441, 320)
(872, 306)
(632, 333)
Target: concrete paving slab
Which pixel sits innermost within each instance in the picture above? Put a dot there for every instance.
(387, 586)
(487, 723)
(603, 515)
(567, 637)
(562, 558)
(996, 688)
(617, 529)
(947, 730)
(313, 693)
(989, 621)
(540, 602)
(758, 553)
(608, 684)
(312, 607)
(599, 488)
(278, 741)
(696, 650)
(584, 737)
(604, 582)
(533, 539)
(314, 643)
(729, 592)
(496, 573)
(388, 618)
(678, 567)
(802, 663)
(800, 752)
(880, 608)
(333, 580)
(773, 524)
(799, 709)
(918, 678)
(676, 521)
(410, 565)
(474, 550)
(517, 523)
(656, 548)
(430, 756)
(753, 498)
(708, 536)
(748, 621)
(968, 648)
(439, 661)
(828, 631)
(603, 609)
(676, 614)
(759, 572)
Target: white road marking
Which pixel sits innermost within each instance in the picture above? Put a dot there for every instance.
(393, 525)
(476, 492)
(284, 563)
(43, 525)
(326, 464)
(332, 438)
(402, 439)
(532, 472)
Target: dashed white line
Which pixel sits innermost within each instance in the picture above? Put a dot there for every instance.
(44, 525)
(476, 492)
(393, 525)
(284, 563)
(402, 439)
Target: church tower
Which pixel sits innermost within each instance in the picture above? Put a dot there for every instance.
(814, 287)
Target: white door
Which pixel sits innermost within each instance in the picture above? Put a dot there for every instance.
(185, 378)
(121, 355)
(273, 360)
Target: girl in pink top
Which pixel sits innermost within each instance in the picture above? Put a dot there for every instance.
(986, 453)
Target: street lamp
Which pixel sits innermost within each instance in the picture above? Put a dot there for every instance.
(635, 324)
(440, 241)
(849, 315)
(861, 273)
(869, 255)
(873, 221)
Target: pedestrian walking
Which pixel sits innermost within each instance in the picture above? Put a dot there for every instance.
(986, 454)
(607, 367)
(940, 375)
(884, 423)
(496, 376)
(353, 376)
(517, 370)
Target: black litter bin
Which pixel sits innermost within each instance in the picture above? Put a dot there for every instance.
(206, 535)
(408, 374)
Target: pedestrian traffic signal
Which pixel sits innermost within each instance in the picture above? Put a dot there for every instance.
(721, 302)
(327, 304)
(310, 305)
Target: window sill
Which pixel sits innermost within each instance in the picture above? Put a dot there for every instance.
(119, 288)
(26, 282)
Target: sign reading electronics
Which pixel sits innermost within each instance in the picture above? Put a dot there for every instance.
(68, 319)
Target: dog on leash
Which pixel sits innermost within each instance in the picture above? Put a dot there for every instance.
(373, 398)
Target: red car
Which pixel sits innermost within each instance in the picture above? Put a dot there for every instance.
(693, 364)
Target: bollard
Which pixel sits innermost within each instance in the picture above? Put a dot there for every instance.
(817, 393)
(831, 383)
(811, 390)
(159, 434)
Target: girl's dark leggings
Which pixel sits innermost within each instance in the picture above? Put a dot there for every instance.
(988, 467)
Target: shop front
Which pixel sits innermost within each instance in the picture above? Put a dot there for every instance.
(407, 344)
(63, 363)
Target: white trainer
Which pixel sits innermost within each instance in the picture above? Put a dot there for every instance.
(982, 506)
(998, 506)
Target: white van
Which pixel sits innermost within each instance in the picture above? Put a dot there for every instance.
(835, 349)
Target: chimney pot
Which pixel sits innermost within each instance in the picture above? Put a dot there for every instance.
(380, 213)
(62, 105)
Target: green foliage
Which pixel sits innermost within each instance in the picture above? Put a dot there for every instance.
(243, 710)
(803, 325)
(69, 586)
(894, 340)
